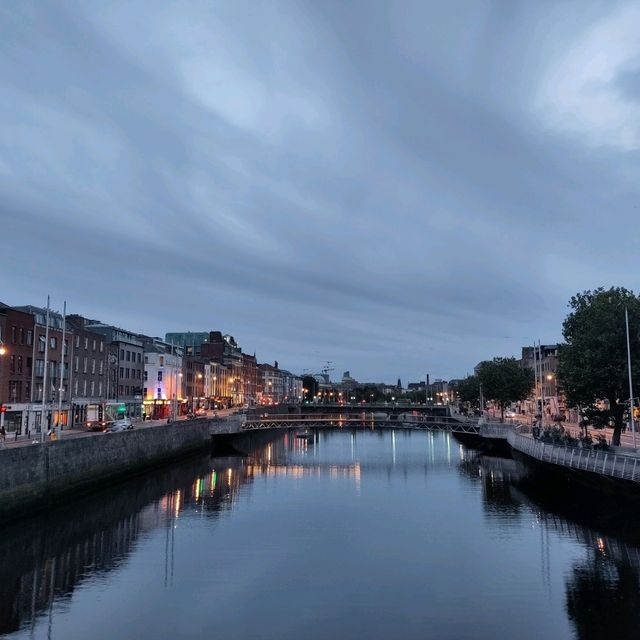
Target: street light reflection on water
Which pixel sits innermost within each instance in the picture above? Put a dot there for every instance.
(357, 533)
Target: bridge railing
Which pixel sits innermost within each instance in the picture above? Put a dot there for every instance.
(495, 430)
(607, 463)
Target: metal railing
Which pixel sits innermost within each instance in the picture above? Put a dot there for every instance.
(606, 463)
(342, 420)
(495, 430)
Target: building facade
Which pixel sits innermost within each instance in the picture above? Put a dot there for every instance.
(163, 379)
(125, 370)
(88, 373)
(46, 392)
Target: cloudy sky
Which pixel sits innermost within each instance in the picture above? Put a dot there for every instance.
(396, 187)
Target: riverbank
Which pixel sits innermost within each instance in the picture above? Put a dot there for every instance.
(32, 477)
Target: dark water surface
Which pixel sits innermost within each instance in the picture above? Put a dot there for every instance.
(357, 535)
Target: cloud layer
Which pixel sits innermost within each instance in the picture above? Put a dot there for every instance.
(395, 187)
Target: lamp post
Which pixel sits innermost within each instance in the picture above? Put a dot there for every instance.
(199, 377)
(3, 351)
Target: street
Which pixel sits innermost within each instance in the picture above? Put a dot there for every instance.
(23, 441)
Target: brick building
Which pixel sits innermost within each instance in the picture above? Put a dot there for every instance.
(88, 373)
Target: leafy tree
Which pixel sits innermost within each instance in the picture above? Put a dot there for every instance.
(593, 362)
(469, 390)
(505, 380)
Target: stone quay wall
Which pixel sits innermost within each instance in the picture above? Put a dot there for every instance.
(37, 474)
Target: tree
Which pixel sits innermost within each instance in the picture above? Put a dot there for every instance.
(310, 388)
(593, 363)
(505, 380)
(469, 390)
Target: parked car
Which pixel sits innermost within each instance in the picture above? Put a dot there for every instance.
(97, 425)
(123, 424)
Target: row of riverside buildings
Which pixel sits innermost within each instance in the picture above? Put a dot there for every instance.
(97, 371)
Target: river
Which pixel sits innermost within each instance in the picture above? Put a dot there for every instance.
(351, 535)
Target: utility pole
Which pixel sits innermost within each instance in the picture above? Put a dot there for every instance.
(632, 424)
(44, 379)
(541, 384)
(62, 353)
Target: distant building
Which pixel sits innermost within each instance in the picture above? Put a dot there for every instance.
(548, 386)
(271, 383)
(162, 391)
(16, 366)
(125, 368)
(348, 383)
(57, 365)
(89, 393)
(191, 342)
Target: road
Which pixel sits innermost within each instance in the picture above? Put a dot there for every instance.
(23, 441)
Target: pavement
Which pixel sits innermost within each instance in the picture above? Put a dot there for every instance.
(626, 438)
(23, 441)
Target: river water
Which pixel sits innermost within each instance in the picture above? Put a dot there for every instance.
(352, 535)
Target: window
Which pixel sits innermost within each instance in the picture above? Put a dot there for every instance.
(101, 346)
(84, 387)
(40, 368)
(75, 387)
(100, 388)
(128, 356)
(122, 372)
(162, 361)
(29, 337)
(42, 343)
(126, 372)
(101, 367)
(121, 354)
(66, 347)
(76, 364)
(12, 364)
(21, 335)
(139, 374)
(159, 393)
(27, 390)
(19, 364)
(139, 358)
(146, 375)
(86, 342)
(77, 342)
(121, 390)
(29, 365)
(53, 342)
(84, 365)
(13, 335)
(92, 388)
(93, 367)
(93, 345)
(126, 390)
(159, 376)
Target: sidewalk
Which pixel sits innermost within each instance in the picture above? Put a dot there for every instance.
(626, 438)
(24, 441)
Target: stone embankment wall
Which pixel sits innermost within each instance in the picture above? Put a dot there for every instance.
(38, 473)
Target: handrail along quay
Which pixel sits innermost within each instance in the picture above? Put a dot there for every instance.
(613, 464)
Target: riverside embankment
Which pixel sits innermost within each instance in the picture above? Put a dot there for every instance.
(34, 475)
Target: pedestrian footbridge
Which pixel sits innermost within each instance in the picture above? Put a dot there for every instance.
(243, 424)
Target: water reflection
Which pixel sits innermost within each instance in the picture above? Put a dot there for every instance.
(43, 561)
